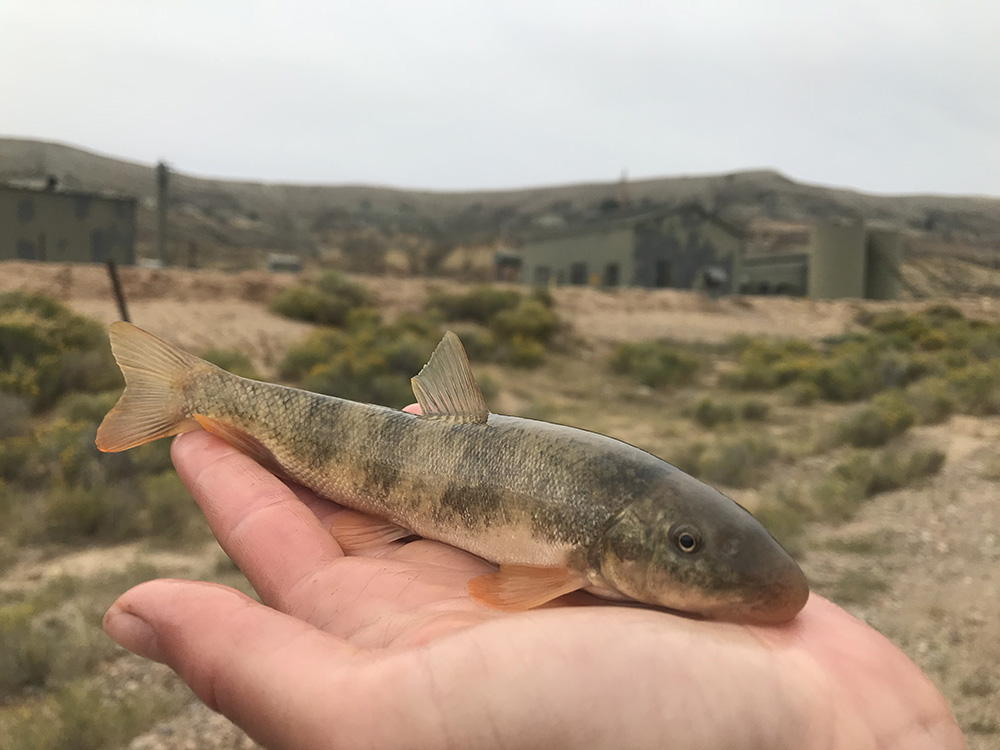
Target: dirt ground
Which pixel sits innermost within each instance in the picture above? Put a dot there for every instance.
(934, 548)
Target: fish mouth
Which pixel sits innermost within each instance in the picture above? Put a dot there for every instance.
(774, 605)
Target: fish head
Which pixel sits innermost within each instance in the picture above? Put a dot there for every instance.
(699, 552)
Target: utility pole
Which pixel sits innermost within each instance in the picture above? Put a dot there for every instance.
(162, 183)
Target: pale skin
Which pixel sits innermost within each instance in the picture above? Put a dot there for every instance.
(386, 650)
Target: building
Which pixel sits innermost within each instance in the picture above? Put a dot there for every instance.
(66, 226)
(691, 248)
(840, 259)
(684, 247)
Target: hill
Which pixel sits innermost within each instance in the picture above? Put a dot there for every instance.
(360, 226)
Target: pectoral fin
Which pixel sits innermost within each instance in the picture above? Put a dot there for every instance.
(519, 587)
(357, 532)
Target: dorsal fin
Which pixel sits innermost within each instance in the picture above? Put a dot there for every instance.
(446, 388)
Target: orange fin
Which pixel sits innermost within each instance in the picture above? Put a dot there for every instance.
(356, 532)
(242, 441)
(152, 405)
(520, 587)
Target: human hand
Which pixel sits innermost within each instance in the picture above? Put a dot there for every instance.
(389, 651)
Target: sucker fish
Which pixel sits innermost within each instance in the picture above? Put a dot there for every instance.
(556, 507)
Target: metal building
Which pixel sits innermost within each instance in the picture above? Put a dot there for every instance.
(840, 259)
(66, 226)
(685, 247)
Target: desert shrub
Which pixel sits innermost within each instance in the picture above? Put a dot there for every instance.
(858, 587)
(169, 513)
(329, 302)
(932, 400)
(334, 284)
(753, 410)
(480, 343)
(976, 388)
(232, 361)
(874, 424)
(44, 646)
(865, 474)
(530, 320)
(46, 351)
(88, 407)
(523, 351)
(804, 393)
(478, 305)
(371, 363)
(785, 523)
(15, 415)
(736, 463)
(310, 305)
(898, 349)
(687, 456)
(86, 714)
(654, 364)
(709, 413)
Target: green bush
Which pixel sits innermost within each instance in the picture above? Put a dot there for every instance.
(753, 410)
(311, 305)
(976, 388)
(865, 474)
(88, 407)
(654, 364)
(15, 415)
(525, 352)
(478, 305)
(46, 351)
(232, 361)
(373, 363)
(529, 320)
(737, 463)
(874, 424)
(480, 343)
(709, 413)
(334, 284)
(932, 400)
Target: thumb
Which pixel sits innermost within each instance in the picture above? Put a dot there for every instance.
(283, 681)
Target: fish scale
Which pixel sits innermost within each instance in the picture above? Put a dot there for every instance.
(558, 508)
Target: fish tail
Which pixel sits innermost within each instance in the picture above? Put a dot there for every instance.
(153, 404)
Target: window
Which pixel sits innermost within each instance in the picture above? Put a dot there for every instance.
(662, 274)
(611, 274)
(578, 273)
(542, 275)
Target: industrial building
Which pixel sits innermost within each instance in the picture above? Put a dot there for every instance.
(684, 247)
(67, 226)
(841, 259)
(688, 247)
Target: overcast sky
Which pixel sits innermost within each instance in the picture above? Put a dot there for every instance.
(878, 95)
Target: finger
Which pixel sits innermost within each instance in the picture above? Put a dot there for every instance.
(274, 538)
(255, 665)
(286, 683)
(412, 409)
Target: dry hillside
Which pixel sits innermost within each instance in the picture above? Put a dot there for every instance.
(920, 562)
(356, 226)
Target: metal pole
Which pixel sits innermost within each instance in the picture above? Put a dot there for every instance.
(116, 287)
(162, 183)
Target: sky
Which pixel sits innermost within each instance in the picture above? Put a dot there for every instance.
(885, 96)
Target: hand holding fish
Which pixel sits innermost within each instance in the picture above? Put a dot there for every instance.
(389, 650)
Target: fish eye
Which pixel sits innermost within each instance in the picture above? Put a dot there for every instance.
(686, 539)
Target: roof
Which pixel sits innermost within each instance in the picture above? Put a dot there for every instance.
(619, 221)
(68, 193)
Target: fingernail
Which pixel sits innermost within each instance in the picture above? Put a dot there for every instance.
(131, 632)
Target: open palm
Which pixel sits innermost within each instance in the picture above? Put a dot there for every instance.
(387, 650)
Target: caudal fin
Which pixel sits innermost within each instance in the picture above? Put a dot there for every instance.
(152, 405)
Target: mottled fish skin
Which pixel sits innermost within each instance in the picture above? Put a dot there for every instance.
(557, 507)
(510, 490)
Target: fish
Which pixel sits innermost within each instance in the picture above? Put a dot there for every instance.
(557, 508)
